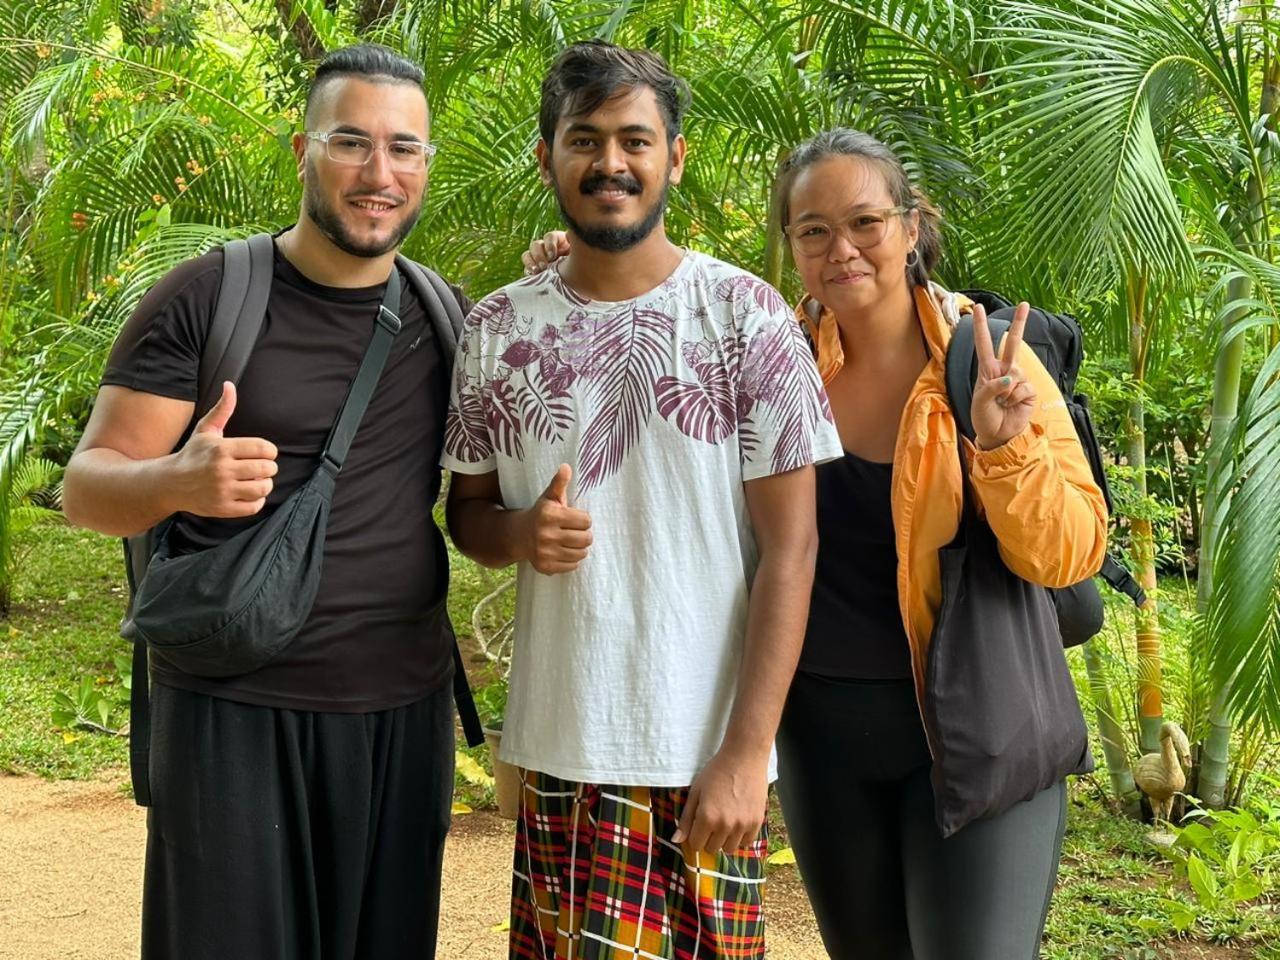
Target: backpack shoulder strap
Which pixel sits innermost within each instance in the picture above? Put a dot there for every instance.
(237, 315)
(441, 305)
(446, 318)
(991, 300)
(962, 368)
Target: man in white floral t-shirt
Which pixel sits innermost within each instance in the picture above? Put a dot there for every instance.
(636, 427)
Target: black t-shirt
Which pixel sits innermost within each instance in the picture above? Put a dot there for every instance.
(378, 635)
(855, 626)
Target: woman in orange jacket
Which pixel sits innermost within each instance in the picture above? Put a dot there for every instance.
(854, 760)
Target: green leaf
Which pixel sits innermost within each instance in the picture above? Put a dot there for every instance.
(1181, 916)
(1202, 881)
(1233, 855)
(1195, 836)
(1244, 888)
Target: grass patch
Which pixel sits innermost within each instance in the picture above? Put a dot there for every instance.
(63, 628)
(1115, 890)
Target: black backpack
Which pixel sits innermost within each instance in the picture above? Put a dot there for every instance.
(233, 332)
(1058, 342)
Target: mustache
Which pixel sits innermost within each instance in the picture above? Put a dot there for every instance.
(599, 181)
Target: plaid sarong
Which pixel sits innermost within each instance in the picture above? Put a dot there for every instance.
(598, 878)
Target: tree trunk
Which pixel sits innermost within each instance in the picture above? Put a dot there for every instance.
(1112, 735)
(371, 11)
(773, 239)
(1150, 705)
(1215, 756)
(304, 35)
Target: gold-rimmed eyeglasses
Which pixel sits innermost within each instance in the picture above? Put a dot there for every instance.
(813, 236)
(354, 150)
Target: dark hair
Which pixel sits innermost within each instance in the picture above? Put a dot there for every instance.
(843, 142)
(585, 75)
(369, 61)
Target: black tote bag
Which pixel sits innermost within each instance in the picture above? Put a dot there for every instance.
(1003, 718)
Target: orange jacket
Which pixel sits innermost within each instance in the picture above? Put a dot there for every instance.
(1037, 490)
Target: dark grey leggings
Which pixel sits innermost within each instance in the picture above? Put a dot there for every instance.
(853, 777)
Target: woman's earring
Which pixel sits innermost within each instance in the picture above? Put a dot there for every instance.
(913, 257)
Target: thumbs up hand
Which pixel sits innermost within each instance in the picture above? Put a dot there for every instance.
(221, 476)
(557, 535)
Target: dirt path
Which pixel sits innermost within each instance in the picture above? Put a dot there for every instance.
(71, 868)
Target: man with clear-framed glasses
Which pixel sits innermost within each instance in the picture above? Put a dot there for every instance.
(353, 149)
(299, 810)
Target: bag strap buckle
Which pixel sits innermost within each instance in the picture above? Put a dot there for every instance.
(388, 320)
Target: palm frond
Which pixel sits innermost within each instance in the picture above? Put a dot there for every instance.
(1090, 122)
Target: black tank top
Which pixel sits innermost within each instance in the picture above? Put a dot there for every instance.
(855, 627)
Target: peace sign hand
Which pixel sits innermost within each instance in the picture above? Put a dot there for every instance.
(1003, 399)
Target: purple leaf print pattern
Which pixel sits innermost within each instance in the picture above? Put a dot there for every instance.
(705, 410)
(583, 343)
(520, 354)
(466, 434)
(502, 417)
(497, 313)
(772, 376)
(547, 418)
(557, 376)
(769, 363)
(743, 286)
(629, 351)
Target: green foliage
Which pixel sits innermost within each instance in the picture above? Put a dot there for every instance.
(1229, 859)
(87, 707)
(1117, 653)
(1118, 896)
(62, 633)
(33, 494)
(491, 703)
(1243, 636)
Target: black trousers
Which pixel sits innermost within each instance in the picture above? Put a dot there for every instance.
(853, 778)
(291, 835)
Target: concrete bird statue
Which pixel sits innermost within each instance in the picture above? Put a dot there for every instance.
(1162, 775)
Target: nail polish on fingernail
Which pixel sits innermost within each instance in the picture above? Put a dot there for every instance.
(1005, 381)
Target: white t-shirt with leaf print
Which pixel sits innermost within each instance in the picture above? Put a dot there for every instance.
(624, 670)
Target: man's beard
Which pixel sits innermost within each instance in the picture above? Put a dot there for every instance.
(331, 225)
(613, 239)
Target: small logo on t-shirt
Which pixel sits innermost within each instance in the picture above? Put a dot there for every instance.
(417, 340)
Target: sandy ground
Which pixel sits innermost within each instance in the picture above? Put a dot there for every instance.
(71, 870)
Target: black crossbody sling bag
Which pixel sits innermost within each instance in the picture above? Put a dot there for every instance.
(232, 608)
